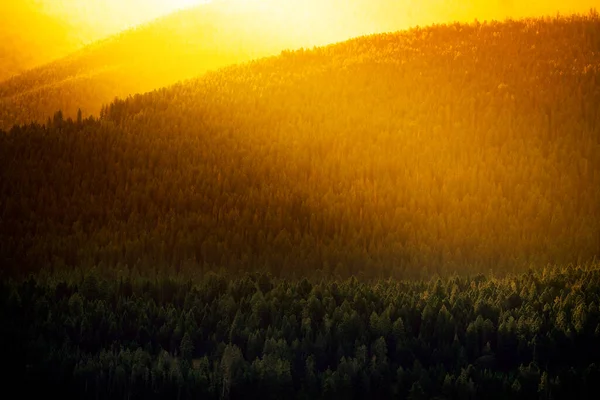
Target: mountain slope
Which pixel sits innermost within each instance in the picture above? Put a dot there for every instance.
(172, 48)
(190, 42)
(458, 147)
(22, 49)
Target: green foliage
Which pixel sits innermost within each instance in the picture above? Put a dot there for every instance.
(60, 337)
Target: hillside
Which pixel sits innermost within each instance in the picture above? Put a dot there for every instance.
(176, 47)
(34, 33)
(22, 49)
(187, 43)
(446, 148)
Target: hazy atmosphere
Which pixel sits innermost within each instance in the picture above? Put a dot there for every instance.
(317, 199)
(54, 28)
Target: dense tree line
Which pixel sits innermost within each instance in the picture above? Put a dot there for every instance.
(83, 335)
(461, 147)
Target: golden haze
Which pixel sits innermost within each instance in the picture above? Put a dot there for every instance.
(195, 241)
(77, 22)
(109, 16)
(439, 149)
(189, 42)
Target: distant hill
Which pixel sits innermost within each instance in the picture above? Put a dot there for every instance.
(188, 43)
(22, 49)
(173, 48)
(37, 32)
(452, 147)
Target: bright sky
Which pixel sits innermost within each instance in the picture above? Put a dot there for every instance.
(31, 38)
(321, 21)
(109, 16)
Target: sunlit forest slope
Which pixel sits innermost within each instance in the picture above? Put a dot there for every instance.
(451, 147)
(187, 43)
(172, 48)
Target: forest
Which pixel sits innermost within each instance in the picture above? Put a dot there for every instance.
(409, 215)
(172, 48)
(79, 335)
(451, 148)
(62, 62)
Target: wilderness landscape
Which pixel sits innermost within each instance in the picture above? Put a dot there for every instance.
(409, 213)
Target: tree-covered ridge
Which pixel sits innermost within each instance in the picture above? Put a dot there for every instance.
(167, 50)
(176, 47)
(524, 336)
(188, 43)
(448, 148)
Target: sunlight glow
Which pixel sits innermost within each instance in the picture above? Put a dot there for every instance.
(324, 20)
(110, 16)
(210, 34)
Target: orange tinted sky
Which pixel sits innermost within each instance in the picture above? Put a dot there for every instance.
(34, 32)
(109, 16)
